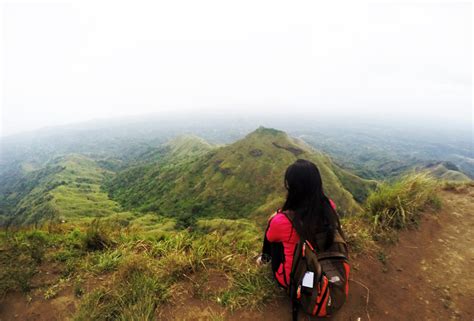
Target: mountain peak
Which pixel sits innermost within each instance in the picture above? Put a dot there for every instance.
(267, 131)
(237, 180)
(187, 145)
(187, 139)
(274, 138)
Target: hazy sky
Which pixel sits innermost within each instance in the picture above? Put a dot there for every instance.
(70, 61)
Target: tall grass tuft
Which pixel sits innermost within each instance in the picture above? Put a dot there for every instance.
(397, 205)
(96, 237)
(20, 255)
(250, 289)
(358, 234)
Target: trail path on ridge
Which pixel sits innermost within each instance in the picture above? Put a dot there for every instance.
(428, 274)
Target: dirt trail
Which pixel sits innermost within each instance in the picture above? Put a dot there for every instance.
(427, 275)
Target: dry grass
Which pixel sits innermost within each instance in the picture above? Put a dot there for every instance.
(398, 205)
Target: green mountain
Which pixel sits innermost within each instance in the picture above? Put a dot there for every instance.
(382, 152)
(184, 179)
(68, 187)
(446, 171)
(175, 150)
(238, 180)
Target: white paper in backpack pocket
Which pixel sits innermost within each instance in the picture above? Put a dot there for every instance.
(334, 279)
(308, 280)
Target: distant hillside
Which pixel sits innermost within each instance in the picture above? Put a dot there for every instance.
(68, 187)
(236, 180)
(381, 152)
(446, 171)
(183, 179)
(371, 150)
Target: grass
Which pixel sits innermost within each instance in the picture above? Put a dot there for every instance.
(20, 256)
(138, 268)
(96, 238)
(393, 206)
(358, 234)
(67, 189)
(456, 187)
(147, 269)
(233, 181)
(249, 289)
(398, 205)
(53, 290)
(107, 261)
(142, 259)
(134, 295)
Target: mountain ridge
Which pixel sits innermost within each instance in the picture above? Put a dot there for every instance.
(241, 179)
(184, 178)
(69, 187)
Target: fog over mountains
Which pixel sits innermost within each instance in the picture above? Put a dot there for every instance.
(76, 60)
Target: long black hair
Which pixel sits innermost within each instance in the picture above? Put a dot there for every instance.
(307, 200)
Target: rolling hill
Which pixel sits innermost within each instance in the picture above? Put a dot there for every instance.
(238, 180)
(183, 179)
(446, 171)
(379, 152)
(68, 187)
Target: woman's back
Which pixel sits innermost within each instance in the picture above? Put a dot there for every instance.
(280, 230)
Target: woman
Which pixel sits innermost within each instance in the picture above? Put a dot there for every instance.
(307, 202)
(307, 231)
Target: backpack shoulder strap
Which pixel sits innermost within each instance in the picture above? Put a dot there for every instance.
(339, 226)
(340, 237)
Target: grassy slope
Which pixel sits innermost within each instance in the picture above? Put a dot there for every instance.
(142, 270)
(136, 186)
(68, 188)
(117, 272)
(381, 153)
(447, 173)
(237, 180)
(184, 179)
(360, 188)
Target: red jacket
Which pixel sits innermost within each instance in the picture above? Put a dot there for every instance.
(281, 230)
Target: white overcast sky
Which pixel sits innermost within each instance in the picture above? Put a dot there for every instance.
(70, 61)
